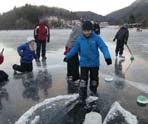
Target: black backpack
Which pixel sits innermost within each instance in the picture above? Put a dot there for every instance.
(3, 76)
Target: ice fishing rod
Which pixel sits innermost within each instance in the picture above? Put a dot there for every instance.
(132, 57)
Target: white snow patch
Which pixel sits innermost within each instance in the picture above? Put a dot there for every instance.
(93, 118)
(24, 118)
(91, 99)
(131, 119)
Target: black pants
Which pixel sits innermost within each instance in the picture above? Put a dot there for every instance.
(24, 67)
(119, 47)
(73, 67)
(41, 45)
(86, 73)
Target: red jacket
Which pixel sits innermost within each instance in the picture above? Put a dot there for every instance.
(41, 32)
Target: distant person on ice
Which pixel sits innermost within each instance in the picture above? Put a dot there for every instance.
(87, 45)
(96, 28)
(27, 54)
(41, 35)
(122, 38)
(73, 63)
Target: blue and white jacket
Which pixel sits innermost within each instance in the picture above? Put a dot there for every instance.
(88, 49)
(26, 54)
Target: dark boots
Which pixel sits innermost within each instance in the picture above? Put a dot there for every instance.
(83, 90)
(93, 87)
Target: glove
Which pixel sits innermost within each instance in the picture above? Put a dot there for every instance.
(65, 59)
(114, 39)
(66, 51)
(48, 40)
(125, 43)
(108, 61)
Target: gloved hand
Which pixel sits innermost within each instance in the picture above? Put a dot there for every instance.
(48, 40)
(108, 61)
(114, 39)
(125, 43)
(65, 59)
(66, 51)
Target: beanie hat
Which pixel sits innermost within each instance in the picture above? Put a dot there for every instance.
(125, 25)
(29, 39)
(87, 25)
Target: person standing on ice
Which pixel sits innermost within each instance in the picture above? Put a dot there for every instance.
(87, 45)
(41, 35)
(27, 54)
(96, 28)
(122, 38)
(73, 63)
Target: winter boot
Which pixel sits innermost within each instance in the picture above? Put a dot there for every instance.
(93, 87)
(83, 90)
(123, 57)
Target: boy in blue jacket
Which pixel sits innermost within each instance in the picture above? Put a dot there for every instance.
(87, 45)
(27, 54)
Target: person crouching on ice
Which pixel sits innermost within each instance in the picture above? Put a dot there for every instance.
(87, 45)
(27, 54)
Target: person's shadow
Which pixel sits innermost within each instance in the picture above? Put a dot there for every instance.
(119, 82)
(3, 94)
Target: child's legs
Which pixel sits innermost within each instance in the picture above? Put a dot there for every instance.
(117, 47)
(121, 48)
(83, 83)
(73, 67)
(43, 48)
(94, 80)
(29, 67)
(38, 48)
(20, 68)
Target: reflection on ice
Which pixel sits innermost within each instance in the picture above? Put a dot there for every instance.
(139, 85)
(32, 83)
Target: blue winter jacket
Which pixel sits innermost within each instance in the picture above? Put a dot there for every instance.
(26, 54)
(88, 49)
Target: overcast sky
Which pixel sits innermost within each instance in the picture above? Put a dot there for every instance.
(101, 7)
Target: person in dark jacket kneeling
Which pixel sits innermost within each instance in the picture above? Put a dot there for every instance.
(27, 54)
(87, 45)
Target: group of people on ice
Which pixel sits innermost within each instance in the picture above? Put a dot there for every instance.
(83, 43)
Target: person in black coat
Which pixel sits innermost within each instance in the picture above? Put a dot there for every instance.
(122, 38)
(96, 27)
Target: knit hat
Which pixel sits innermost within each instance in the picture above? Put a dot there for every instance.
(29, 39)
(87, 25)
(125, 25)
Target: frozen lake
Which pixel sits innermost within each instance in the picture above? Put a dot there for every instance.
(49, 79)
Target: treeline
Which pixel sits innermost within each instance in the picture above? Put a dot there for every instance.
(27, 16)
